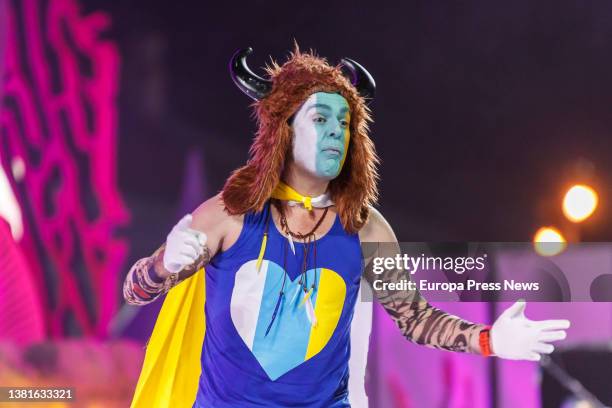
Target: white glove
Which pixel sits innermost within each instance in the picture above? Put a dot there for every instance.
(515, 337)
(183, 246)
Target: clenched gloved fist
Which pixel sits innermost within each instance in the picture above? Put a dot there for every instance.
(515, 337)
(183, 246)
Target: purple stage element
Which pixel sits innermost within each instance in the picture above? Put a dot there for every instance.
(406, 375)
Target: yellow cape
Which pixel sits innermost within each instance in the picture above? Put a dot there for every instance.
(171, 368)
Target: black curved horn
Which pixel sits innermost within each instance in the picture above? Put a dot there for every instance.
(246, 80)
(361, 78)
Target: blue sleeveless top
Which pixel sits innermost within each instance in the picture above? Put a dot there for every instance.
(301, 361)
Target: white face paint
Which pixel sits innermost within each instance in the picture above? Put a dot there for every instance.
(321, 134)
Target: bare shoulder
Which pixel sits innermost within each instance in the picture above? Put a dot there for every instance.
(377, 229)
(210, 213)
(221, 228)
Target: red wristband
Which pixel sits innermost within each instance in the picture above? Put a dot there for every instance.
(485, 342)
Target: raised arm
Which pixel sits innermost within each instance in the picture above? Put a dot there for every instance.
(193, 241)
(418, 321)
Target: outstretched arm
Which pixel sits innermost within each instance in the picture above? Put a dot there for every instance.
(513, 335)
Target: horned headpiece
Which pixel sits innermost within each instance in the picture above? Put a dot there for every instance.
(276, 100)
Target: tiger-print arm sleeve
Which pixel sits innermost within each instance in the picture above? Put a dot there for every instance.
(419, 321)
(143, 284)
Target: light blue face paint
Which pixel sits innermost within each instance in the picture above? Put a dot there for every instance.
(321, 134)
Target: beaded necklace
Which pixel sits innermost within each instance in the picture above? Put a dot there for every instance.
(310, 246)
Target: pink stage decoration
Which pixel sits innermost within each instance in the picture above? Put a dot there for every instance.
(21, 317)
(59, 115)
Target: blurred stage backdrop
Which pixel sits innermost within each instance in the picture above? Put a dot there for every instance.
(119, 117)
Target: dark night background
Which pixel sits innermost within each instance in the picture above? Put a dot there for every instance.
(485, 110)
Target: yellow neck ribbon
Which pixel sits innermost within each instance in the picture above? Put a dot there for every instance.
(286, 193)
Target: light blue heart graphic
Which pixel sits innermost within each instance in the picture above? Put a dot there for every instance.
(254, 298)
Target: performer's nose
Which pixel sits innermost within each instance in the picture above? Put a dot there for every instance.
(336, 130)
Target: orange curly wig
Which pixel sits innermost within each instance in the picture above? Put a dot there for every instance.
(354, 190)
